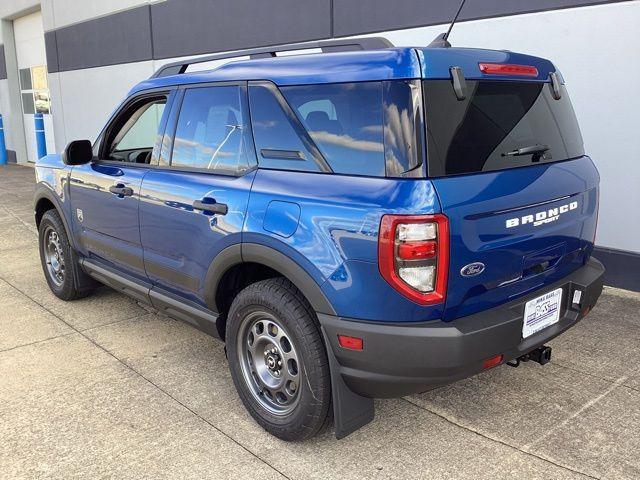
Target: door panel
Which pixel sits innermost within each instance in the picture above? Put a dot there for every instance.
(181, 241)
(106, 223)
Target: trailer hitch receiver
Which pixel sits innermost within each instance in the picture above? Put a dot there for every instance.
(541, 355)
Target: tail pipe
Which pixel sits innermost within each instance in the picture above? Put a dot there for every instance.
(541, 355)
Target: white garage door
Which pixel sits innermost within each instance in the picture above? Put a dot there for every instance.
(34, 88)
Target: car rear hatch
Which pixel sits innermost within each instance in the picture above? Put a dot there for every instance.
(508, 164)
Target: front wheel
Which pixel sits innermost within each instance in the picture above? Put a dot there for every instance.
(278, 360)
(58, 261)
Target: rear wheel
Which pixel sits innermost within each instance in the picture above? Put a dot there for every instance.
(278, 360)
(58, 261)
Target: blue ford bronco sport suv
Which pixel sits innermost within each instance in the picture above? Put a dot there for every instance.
(367, 221)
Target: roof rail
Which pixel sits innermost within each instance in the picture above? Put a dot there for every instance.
(344, 45)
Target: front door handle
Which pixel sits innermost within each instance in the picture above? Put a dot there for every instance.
(209, 205)
(121, 190)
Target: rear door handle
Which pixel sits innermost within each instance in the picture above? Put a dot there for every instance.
(121, 190)
(209, 205)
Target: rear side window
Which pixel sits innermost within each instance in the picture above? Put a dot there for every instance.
(212, 133)
(498, 118)
(280, 139)
(345, 122)
(364, 128)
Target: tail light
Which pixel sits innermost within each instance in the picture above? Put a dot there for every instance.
(508, 69)
(413, 255)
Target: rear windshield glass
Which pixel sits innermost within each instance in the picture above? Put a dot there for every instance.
(500, 125)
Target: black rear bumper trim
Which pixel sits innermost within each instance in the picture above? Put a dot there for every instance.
(402, 359)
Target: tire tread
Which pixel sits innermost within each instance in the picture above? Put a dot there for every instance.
(284, 294)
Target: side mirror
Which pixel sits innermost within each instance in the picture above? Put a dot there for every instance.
(78, 152)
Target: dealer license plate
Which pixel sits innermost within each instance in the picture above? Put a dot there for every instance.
(541, 312)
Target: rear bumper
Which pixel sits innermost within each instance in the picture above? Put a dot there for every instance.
(402, 359)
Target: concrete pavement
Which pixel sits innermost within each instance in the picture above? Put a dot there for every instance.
(104, 388)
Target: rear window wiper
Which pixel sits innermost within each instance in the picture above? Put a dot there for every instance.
(536, 150)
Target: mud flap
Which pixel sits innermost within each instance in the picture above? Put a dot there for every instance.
(83, 281)
(350, 410)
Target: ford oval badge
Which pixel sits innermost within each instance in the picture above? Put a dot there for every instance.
(473, 269)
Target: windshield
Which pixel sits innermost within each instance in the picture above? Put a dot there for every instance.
(500, 125)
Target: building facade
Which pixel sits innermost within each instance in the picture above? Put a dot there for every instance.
(74, 61)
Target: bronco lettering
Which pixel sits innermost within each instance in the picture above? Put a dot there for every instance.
(542, 217)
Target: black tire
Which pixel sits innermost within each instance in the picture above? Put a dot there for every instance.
(280, 303)
(63, 286)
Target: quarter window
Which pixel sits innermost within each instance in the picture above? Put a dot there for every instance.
(278, 134)
(365, 128)
(345, 122)
(212, 133)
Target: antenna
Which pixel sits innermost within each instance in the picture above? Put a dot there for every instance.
(441, 40)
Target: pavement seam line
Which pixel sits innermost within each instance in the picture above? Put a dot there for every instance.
(115, 322)
(579, 412)
(453, 421)
(599, 377)
(629, 387)
(183, 405)
(16, 347)
(130, 368)
(29, 227)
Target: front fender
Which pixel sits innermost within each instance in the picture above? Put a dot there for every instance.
(45, 192)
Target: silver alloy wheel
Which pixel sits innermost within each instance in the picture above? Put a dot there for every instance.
(269, 362)
(54, 256)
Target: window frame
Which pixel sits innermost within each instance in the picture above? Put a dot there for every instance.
(165, 155)
(119, 119)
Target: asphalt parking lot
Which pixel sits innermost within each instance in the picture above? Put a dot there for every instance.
(103, 388)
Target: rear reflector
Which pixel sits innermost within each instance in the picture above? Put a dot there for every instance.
(416, 250)
(492, 362)
(350, 343)
(508, 69)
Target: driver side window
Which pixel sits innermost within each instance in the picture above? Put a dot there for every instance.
(136, 132)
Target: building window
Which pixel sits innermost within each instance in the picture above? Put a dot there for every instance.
(35, 90)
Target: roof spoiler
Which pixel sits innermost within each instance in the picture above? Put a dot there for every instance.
(344, 45)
